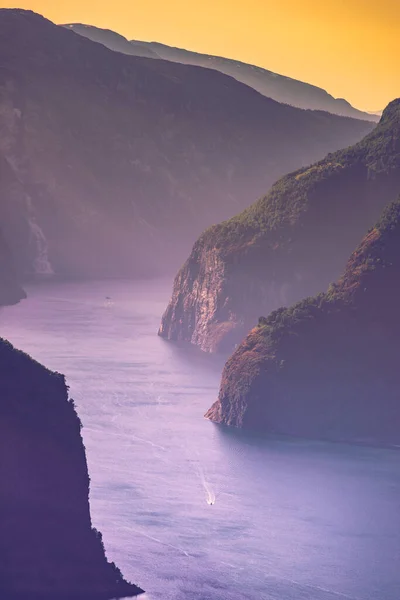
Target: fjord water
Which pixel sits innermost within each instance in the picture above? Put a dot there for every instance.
(292, 519)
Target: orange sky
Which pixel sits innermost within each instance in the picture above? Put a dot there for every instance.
(349, 47)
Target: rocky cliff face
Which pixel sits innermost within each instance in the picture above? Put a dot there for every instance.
(48, 548)
(280, 88)
(328, 366)
(10, 290)
(114, 164)
(290, 244)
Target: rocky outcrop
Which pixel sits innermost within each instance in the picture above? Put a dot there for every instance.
(280, 88)
(328, 366)
(290, 244)
(114, 164)
(48, 548)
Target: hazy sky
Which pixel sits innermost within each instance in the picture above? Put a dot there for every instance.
(349, 47)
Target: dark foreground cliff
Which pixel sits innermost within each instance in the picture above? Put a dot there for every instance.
(328, 367)
(48, 548)
(290, 244)
(111, 165)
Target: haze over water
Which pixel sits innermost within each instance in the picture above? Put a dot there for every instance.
(191, 511)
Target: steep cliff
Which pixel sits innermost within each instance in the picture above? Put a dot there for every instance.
(11, 291)
(10, 288)
(278, 87)
(48, 548)
(290, 244)
(116, 163)
(328, 366)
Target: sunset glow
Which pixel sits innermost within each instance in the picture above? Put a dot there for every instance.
(348, 47)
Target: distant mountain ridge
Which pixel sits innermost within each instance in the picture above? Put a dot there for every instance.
(290, 244)
(327, 367)
(113, 40)
(113, 164)
(278, 87)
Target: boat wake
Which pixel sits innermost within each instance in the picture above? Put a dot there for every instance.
(209, 492)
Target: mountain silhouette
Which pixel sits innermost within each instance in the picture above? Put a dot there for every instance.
(279, 87)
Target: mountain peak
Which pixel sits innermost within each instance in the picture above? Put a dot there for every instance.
(392, 111)
(21, 12)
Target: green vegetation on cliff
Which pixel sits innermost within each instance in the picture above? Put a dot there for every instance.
(328, 365)
(378, 155)
(291, 243)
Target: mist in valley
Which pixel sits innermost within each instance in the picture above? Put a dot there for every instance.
(199, 267)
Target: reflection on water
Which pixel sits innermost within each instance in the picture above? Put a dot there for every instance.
(192, 511)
